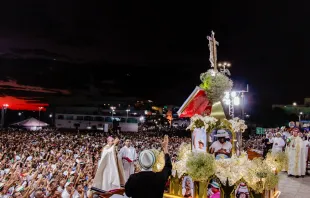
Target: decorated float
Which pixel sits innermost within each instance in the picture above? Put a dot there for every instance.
(202, 169)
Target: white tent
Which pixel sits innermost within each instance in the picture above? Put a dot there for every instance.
(31, 124)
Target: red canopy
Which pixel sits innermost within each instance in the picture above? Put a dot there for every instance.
(196, 103)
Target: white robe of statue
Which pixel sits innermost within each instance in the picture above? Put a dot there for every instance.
(296, 157)
(278, 144)
(109, 173)
(129, 167)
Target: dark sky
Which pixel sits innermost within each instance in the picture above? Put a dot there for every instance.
(162, 45)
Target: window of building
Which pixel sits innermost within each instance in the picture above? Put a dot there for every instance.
(108, 119)
(60, 117)
(79, 117)
(132, 120)
(88, 118)
(69, 117)
(99, 119)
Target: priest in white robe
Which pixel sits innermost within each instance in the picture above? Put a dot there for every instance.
(110, 172)
(278, 144)
(128, 155)
(296, 155)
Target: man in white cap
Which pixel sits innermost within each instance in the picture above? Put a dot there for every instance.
(221, 148)
(148, 183)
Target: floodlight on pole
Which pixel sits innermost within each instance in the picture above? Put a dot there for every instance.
(236, 101)
(235, 98)
(223, 67)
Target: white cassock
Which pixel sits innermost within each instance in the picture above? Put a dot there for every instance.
(296, 157)
(109, 175)
(307, 145)
(279, 147)
(129, 167)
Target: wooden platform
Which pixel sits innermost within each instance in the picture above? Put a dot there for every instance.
(253, 154)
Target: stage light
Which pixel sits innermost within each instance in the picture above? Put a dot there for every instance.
(236, 101)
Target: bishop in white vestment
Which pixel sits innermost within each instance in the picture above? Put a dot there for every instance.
(128, 155)
(278, 144)
(109, 175)
(296, 155)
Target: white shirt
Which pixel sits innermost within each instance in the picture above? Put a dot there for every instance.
(65, 194)
(129, 152)
(218, 146)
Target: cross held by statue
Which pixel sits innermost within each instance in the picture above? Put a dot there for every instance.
(213, 51)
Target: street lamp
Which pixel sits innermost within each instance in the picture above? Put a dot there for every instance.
(40, 108)
(223, 67)
(127, 110)
(112, 111)
(294, 104)
(299, 116)
(4, 107)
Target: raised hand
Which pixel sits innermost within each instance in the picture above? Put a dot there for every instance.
(116, 141)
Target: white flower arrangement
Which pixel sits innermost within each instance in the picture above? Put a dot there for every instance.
(215, 84)
(238, 125)
(232, 169)
(206, 122)
(179, 167)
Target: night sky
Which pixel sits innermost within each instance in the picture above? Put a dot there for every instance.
(154, 50)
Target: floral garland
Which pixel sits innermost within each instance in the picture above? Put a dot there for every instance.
(215, 84)
(200, 166)
(232, 168)
(206, 122)
(238, 125)
(179, 167)
(277, 161)
(258, 174)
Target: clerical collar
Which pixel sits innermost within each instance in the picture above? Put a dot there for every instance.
(143, 170)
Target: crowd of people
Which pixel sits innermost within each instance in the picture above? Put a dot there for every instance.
(51, 163)
(57, 164)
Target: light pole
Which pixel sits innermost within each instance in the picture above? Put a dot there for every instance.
(19, 114)
(299, 116)
(127, 110)
(112, 111)
(40, 108)
(51, 117)
(4, 107)
(231, 99)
